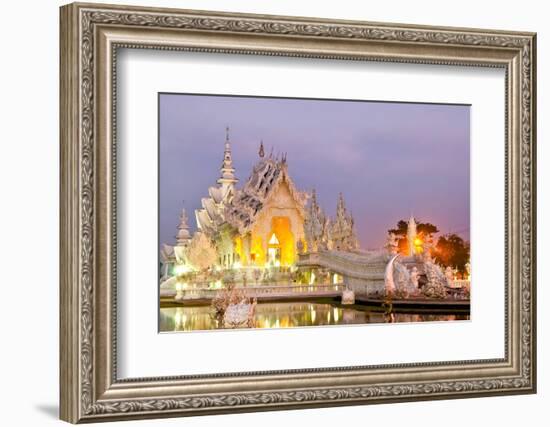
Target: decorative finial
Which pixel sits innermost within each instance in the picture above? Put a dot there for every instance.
(227, 170)
(261, 152)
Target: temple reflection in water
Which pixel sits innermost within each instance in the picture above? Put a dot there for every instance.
(288, 315)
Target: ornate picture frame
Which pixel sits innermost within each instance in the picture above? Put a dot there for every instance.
(90, 37)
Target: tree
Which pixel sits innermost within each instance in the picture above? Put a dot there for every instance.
(452, 250)
(425, 230)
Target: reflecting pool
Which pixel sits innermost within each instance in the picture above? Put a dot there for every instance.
(294, 314)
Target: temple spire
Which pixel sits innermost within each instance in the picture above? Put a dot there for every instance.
(261, 153)
(341, 207)
(227, 178)
(343, 228)
(183, 237)
(411, 235)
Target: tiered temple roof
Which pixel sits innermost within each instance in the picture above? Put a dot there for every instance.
(183, 237)
(240, 208)
(266, 176)
(211, 216)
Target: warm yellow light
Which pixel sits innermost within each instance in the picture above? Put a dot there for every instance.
(177, 319)
(282, 238)
(257, 251)
(181, 269)
(178, 287)
(418, 242)
(277, 263)
(239, 251)
(237, 265)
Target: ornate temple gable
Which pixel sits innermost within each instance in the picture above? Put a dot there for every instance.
(266, 177)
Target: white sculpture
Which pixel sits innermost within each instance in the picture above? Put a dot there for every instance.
(414, 279)
(435, 288)
(201, 253)
(392, 243)
(239, 315)
(389, 283)
(402, 278)
(348, 297)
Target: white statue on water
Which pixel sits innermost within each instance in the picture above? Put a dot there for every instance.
(397, 278)
(414, 279)
(437, 281)
(388, 275)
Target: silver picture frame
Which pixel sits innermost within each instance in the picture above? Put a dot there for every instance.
(90, 37)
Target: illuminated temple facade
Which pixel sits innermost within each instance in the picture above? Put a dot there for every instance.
(265, 223)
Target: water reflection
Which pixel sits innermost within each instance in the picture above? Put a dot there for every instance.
(288, 315)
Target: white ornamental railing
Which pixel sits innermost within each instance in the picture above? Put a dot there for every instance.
(267, 291)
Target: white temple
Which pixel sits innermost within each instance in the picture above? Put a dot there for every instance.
(268, 231)
(263, 223)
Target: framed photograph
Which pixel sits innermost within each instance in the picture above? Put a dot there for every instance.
(266, 212)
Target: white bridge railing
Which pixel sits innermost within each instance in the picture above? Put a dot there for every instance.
(268, 291)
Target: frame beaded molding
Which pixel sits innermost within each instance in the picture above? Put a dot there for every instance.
(90, 17)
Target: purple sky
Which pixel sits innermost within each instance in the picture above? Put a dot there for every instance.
(388, 159)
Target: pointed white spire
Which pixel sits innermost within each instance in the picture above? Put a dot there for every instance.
(411, 235)
(227, 178)
(183, 237)
(341, 207)
(342, 228)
